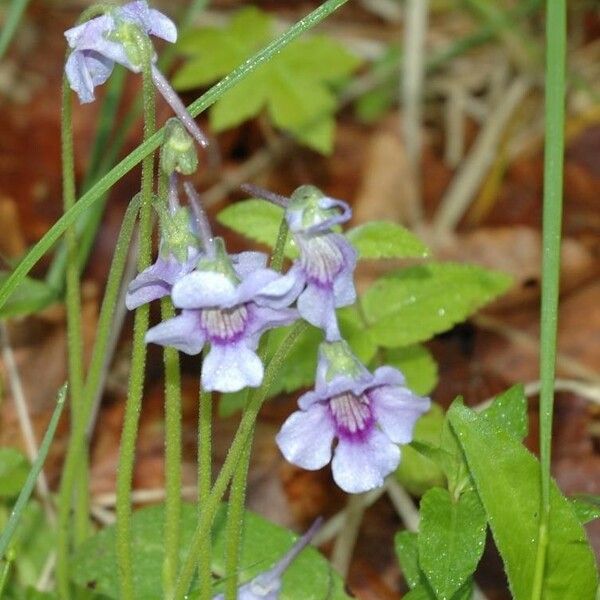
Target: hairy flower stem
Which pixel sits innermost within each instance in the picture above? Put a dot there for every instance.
(73, 306)
(237, 493)
(236, 450)
(556, 49)
(204, 488)
(138, 362)
(77, 448)
(172, 529)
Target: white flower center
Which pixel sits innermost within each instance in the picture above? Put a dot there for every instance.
(351, 413)
(224, 324)
(321, 258)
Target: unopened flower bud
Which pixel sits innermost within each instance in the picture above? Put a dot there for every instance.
(178, 152)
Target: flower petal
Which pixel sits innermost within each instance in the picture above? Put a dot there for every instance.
(203, 289)
(143, 294)
(397, 410)
(343, 286)
(230, 368)
(86, 70)
(316, 305)
(246, 262)
(306, 436)
(264, 317)
(362, 465)
(182, 332)
(283, 290)
(151, 20)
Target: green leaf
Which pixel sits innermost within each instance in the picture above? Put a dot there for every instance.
(508, 412)
(417, 472)
(216, 52)
(586, 507)
(413, 304)
(310, 576)
(31, 296)
(407, 551)
(33, 541)
(418, 366)
(507, 478)
(295, 85)
(423, 591)
(14, 468)
(258, 220)
(451, 539)
(354, 332)
(384, 239)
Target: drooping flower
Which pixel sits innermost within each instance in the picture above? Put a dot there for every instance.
(267, 585)
(322, 277)
(368, 414)
(179, 252)
(121, 35)
(225, 304)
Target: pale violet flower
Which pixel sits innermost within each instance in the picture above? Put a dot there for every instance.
(225, 305)
(178, 254)
(368, 414)
(101, 42)
(121, 36)
(267, 585)
(322, 277)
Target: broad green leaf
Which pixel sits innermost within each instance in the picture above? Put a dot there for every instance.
(220, 50)
(407, 551)
(295, 85)
(586, 507)
(417, 472)
(384, 239)
(354, 332)
(31, 296)
(507, 477)
(309, 577)
(413, 304)
(258, 220)
(508, 412)
(14, 468)
(451, 539)
(418, 366)
(423, 591)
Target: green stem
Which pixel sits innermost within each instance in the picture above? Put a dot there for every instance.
(92, 196)
(25, 493)
(237, 493)
(11, 23)
(77, 449)
(204, 485)
(556, 28)
(172, 458)
(235, 521)
(138, 362)
(73, 308)
(236, 450)
(172, 442)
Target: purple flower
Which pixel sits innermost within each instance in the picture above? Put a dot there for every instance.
(368, 413)
(322, 277)
(111, 38)
(225, 304)
(121, 36)
(178, 254)
(267, 585)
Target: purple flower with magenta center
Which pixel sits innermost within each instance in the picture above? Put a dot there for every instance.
(225, 304)
(368, 414)
(322, 277)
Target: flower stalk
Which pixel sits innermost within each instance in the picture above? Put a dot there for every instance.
(138, 362)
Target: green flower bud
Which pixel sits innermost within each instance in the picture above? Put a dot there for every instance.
(178, 152)
(340, 360)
